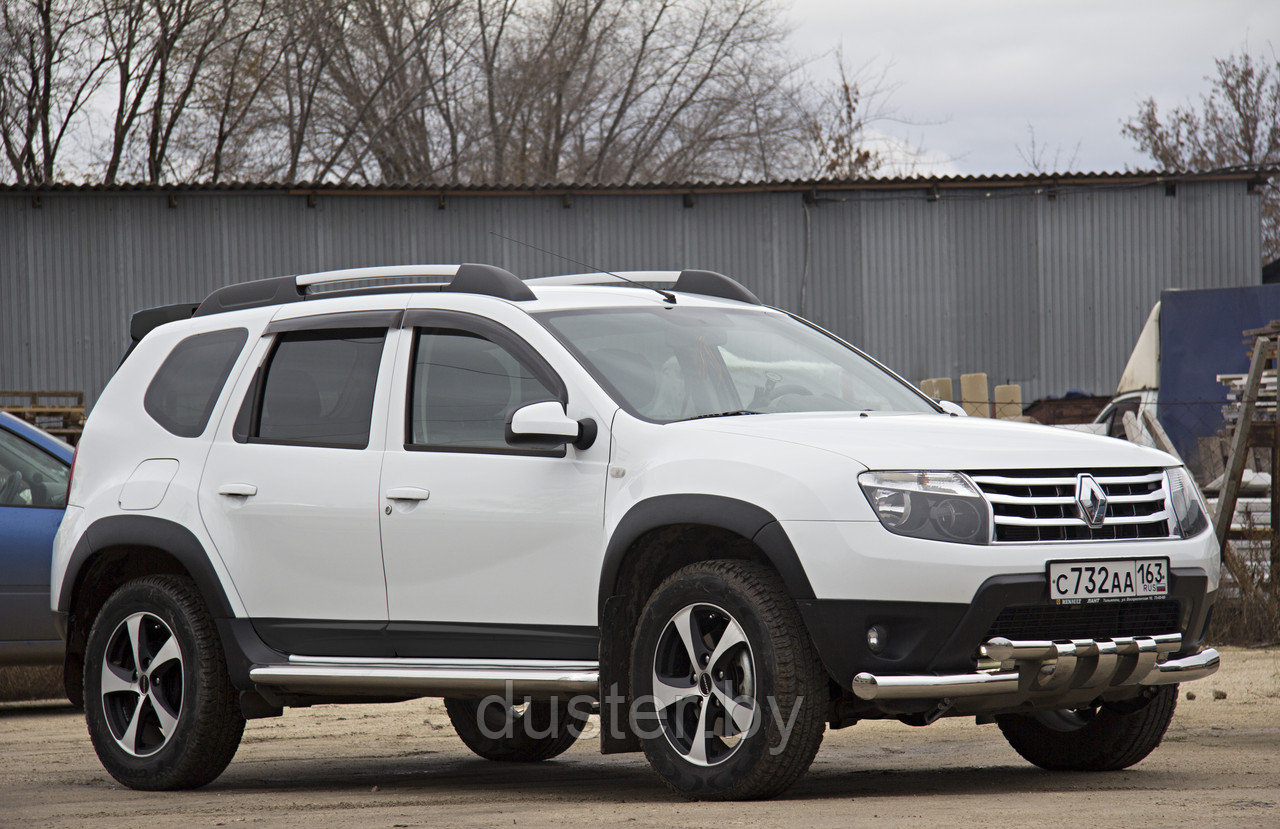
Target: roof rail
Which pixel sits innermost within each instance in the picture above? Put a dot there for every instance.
(605, 278)
(388, 272)
(710, 283)
(705, 283)
(488, 280)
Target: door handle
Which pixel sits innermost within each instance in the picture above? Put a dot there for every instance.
(407, 493)
(240, 490)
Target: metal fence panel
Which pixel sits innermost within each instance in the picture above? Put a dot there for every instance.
(1045, 289)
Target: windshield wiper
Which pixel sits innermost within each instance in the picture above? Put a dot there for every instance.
(723, 414)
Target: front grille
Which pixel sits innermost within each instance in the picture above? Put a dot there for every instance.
(1040, 504)
(1086, 621)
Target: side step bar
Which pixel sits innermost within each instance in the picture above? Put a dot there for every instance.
(1045, 668)
(426, 677)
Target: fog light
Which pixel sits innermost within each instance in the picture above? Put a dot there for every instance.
(877, 636)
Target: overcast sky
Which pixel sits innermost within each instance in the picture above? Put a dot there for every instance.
(974, 73)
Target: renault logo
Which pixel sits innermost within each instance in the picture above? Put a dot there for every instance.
(1091, 500)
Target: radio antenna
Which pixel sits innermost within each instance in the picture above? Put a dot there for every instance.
(667, 295)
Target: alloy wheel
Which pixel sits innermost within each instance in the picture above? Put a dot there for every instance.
(704, 684)
(142, 679)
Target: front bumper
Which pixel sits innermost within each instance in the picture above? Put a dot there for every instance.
(941, 639)
(1050, 674)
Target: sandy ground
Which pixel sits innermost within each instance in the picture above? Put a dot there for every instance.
(401, 765)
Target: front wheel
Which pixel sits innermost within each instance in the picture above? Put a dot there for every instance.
(161, 711)
(1110, 737)
(730, 699)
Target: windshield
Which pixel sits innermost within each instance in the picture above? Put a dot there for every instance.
(678, 363)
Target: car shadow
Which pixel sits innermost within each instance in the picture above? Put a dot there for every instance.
(37, 708)
(629, 780)
(626, 779)
(988, 780)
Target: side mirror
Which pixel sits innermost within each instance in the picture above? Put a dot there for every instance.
(953, 408)
(545, 425)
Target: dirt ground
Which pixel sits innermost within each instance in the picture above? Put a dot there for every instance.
(401, 765)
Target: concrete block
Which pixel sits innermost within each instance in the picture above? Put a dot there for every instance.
(974, 395)
(939, 388)
(1008, 400)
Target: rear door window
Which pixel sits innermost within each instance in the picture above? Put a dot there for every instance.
(185, 388)
(318, 387)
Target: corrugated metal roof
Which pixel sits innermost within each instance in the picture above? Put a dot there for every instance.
(1131, 177)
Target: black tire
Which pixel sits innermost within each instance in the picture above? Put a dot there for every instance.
(1107, 738)
(149, 616)
(770, 674)
(531, 732)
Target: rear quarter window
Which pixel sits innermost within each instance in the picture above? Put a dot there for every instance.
(185, 389)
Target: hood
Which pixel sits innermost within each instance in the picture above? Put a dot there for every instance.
(935, 441)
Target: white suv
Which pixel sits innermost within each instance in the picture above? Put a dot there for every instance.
(713, 523)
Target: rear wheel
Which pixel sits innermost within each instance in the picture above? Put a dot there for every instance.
(499, 729)
(161, 711)
(1107, 738)
(730, 697)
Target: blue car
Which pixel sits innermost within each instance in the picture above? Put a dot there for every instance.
(34, 468)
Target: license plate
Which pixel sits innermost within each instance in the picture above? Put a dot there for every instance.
(1075, 582)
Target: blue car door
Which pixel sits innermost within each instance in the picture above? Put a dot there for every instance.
(33, 485)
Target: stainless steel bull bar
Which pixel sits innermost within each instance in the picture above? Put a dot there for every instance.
(1041, 668)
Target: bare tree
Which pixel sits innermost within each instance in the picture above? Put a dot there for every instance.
(445, 91)
(188, 33)
(128, 33)
(235, 87)
(160, 51)
(243, 118)
(1041, 159)
(610, 91)
(313, 31)
(50, 66)
(1237, 124)
(853, 129)
(378, 84)
(561, 90)
(838, 130)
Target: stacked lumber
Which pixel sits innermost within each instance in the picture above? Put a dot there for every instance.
(1265, 407)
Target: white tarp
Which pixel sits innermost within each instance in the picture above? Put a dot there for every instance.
(1143, 369)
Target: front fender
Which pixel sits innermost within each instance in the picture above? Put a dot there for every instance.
(739, 517)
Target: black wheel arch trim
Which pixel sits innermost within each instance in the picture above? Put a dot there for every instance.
(147, 531)
(746, 519)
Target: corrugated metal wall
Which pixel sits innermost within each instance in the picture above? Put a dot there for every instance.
(1047, 292)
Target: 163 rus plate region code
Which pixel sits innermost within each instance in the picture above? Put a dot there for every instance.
(1075, 582)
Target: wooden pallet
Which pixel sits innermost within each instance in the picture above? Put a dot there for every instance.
(59, 412)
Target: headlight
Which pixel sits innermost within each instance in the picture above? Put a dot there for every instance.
(1188, 505)
(943, 506)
